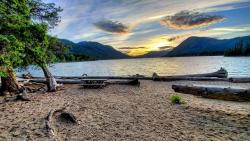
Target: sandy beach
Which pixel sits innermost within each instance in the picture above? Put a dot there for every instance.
(120, 112)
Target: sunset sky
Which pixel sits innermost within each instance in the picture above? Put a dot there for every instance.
(138, 26)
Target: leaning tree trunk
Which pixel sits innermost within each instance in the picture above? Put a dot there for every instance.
(10, 83)
(51, 81)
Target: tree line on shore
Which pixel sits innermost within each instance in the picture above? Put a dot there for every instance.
(24, 40)
(240, 49)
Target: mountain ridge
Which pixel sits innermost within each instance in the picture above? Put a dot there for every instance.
(94, 49)
(200, 46)
(192, 46)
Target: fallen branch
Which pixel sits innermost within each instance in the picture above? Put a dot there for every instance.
(215, 92)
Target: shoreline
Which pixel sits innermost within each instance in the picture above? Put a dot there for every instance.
(119, 112)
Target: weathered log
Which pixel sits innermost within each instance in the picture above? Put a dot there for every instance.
(137, 76)
(240, 79)
(104, 77)
(79, 81)
(222, 73)
(173, 78)
(213, 92)
(62, 81)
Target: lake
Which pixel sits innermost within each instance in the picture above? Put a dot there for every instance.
(236, 66)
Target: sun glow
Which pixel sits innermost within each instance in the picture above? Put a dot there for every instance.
(154, 44)
(157, 43)
(160, 44)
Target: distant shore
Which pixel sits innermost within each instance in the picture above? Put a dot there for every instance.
(120, 112)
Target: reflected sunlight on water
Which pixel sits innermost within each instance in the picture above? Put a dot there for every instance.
(236, 66)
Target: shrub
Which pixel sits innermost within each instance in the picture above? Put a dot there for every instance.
(176, 99)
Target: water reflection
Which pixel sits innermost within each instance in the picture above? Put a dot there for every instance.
(236, 66)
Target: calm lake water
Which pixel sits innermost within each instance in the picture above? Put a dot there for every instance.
(236, 66)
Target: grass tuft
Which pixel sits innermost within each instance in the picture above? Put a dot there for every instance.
(175, 99)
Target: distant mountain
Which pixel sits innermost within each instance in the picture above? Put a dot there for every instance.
(94, 50)
(67, 42)
(154, 54)
(198, 46)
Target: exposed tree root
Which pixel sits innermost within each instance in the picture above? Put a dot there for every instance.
(49, 129)
(22, 98)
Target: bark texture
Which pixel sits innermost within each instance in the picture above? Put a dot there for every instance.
(213, 92)
(50, 80)
(10, 83)
(221, 74)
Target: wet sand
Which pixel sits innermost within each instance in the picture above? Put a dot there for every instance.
(127, 113)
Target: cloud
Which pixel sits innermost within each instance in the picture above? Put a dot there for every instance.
(112, 27)
(128, 48)
(165, 47)
(170, 39)
(143, 17)
(189, 20)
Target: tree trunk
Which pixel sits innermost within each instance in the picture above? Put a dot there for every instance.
(50, 80)
(10, 83)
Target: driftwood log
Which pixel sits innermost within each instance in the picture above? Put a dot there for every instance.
(179, 78)
(240, 80)
(213, 92)
(221, 73)
(97, 77)
(60, 81)
(79, 81)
